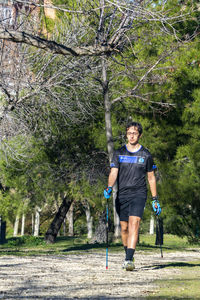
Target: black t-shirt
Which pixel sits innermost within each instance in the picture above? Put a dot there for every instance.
(133, 167)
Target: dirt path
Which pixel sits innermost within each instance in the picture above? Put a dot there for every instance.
(84, 276)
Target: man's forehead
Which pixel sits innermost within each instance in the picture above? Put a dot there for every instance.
(132, 128)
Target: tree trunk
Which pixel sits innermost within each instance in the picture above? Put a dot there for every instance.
(23, 224)
(89, 219)
(54, 227)
(110, 144)
(70, 219)
(100, 231)
(57, 207)
(37, 222)
(32, 222)
(117, 230)
(16, 226)
(151, 227)
(64, 227)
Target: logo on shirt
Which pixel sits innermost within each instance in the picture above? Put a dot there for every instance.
(128, 159)
(131, 159)
(112, 165)
(140, 160)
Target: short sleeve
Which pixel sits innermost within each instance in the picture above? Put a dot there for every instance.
(150, 166)
(115, 160)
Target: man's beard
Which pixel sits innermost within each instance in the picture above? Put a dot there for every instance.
(134, 143)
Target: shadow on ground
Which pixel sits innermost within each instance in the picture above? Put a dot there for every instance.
(114, 247)
(29, 245)
(172, 265)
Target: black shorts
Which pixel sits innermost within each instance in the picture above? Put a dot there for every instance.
(131, 207)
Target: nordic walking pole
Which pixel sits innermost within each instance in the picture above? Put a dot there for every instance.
(159, 235)
(107, 193)
(107, 235)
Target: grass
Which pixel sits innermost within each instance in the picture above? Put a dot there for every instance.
(186, 285)
(29, 245)
(183, 286)
(171, 243)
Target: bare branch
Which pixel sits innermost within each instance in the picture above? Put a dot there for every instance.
(132, 92)
(52, 46)
(61, 7)
(120, 17)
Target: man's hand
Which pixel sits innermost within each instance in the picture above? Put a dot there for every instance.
(107, 192)
(156, 206)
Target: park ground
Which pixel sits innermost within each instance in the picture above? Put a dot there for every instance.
(82, 274)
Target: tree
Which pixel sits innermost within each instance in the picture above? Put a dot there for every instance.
(87, 192)
(129, 71)
(182, 192)
(119, 23)
(108, 29)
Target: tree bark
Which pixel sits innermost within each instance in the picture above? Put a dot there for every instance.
(100, 231)
(37, 222)
(54, 227)
(151, 227)
(32, 223)
(57, 207)
(110, 144)
(89, 220)
(70, 219)
(23, 224)
(64, 227)
(16, 226)
(23, 37)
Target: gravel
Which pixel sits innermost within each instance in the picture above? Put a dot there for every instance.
(84, 276)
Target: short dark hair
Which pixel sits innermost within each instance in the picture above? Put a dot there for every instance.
(135, 124)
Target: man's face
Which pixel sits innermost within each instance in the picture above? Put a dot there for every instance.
(132, 135)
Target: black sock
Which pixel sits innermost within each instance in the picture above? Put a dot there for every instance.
(129, 253)
(125, 249)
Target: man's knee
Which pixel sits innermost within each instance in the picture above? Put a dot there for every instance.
(124, 230)
(134, 223)
(124, 227)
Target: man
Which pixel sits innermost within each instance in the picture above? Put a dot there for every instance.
(129, 166)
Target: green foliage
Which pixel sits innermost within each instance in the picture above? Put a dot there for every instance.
(171, 136)
(88, 195)
(185, 189)
(49, 24)
(80, 227)
(25, 241)
(183, 173)
(63, 156)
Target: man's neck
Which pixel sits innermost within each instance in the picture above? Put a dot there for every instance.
(133, 148)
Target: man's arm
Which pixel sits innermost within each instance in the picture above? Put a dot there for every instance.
(112, 176)
(152, 183)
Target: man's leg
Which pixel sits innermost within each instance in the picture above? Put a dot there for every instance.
(133, 230)
(124, 237)
(124, 233)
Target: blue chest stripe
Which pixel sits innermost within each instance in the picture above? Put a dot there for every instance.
(128, 159)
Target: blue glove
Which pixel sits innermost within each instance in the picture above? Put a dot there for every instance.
(156, 206)
(107, 192)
